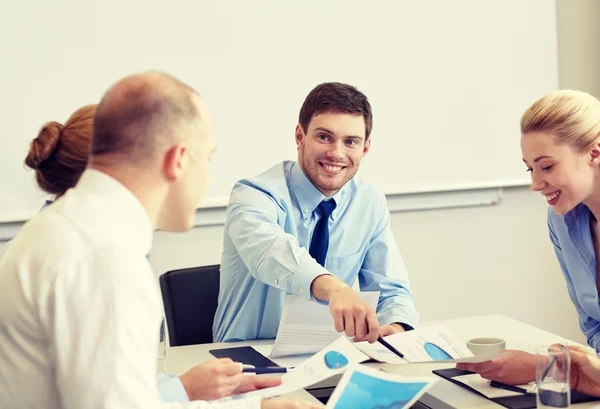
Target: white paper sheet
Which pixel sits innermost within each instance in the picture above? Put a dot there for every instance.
(482, 386)
(468, 360)
(430, 344)
(311, 371)
(307, 326)
(379, 353)
(366, 388)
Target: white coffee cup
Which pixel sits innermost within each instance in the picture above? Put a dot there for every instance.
(486, 346)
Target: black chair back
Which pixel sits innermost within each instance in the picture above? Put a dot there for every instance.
(190, 297)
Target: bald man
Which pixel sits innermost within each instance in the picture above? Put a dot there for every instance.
(80, 310)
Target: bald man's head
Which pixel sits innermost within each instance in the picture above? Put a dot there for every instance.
(143, 113)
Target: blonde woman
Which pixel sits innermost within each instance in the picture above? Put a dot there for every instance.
(560, 144)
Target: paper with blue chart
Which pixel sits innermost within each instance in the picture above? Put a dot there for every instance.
(367, 388)
(332, 360)
(428, 344)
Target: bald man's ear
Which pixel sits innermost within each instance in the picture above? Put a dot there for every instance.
(175, 161)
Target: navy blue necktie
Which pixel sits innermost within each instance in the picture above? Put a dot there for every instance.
(320, 238)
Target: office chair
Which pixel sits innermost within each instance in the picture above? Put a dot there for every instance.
(190, 298)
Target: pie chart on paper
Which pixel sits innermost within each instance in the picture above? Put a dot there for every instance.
(435, 352)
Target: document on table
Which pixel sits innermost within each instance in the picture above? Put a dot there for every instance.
(307, 326)
(425, 345)
(364, 387)
(315, 369)
(482, 386)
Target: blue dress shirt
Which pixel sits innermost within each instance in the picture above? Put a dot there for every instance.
(270, 221)
(574, 248)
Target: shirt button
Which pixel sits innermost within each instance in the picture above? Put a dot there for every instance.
(276, 281)
(305, 210)
(301, 291)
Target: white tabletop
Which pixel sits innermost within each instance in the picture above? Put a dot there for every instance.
(518, 335)
(181, 359)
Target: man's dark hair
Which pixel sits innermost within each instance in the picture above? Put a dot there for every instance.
(336, 97)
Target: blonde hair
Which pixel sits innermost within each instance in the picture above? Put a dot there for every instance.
(572, 117)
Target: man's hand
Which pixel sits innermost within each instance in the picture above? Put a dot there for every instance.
(512, 368)
(289, 404)
(585, 371)
(254, 382)
(218, 378)
(390, 329)
(384, 331)
(214, 379)
(350, 313)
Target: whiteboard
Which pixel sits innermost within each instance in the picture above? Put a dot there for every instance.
(447, 80)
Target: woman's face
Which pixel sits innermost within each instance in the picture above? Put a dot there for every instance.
(563, 175)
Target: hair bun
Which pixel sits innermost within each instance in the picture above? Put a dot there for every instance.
(44, 145)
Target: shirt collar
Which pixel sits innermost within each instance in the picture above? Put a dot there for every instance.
(575, 215)
(308, 195)
(127, 212)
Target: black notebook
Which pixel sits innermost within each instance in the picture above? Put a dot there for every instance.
(524, 401)
(245, 355)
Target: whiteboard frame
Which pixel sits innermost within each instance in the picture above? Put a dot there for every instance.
(212, 213)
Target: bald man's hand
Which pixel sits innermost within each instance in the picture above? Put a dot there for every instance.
(289, 404)
(214, 379)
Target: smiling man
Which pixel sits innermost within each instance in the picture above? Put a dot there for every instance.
(311, 228)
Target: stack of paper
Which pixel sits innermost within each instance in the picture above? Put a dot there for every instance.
(306, 327)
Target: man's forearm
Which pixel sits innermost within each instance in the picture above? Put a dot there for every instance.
(325, 285)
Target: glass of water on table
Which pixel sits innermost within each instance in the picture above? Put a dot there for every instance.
(552, 372)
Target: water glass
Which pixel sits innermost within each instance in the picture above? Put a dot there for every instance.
(552, 372)
(162, 347)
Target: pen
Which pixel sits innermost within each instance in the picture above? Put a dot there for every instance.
(552, 361)
(264, 369)
(390, 347)
(506, 387)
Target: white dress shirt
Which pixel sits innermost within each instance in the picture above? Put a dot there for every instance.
(80, 306)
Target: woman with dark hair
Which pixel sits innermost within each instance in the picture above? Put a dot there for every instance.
(59, 154)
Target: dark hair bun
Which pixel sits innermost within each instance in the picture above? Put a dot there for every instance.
(44, 145)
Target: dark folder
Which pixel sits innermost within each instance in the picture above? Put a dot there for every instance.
(525, 401)
(245, 355)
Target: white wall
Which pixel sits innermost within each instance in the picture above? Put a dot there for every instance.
(579, 45)
(462, 262)
(262, 54)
